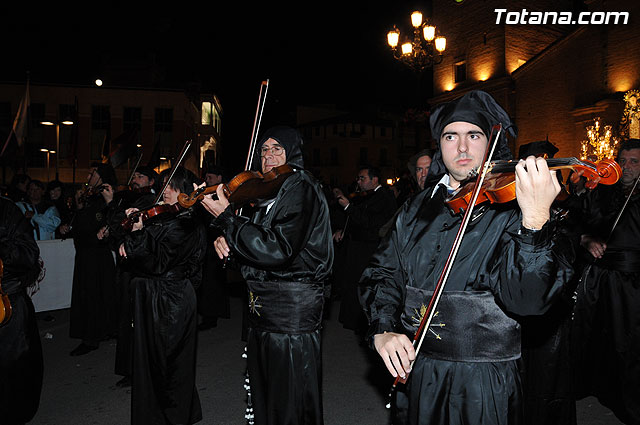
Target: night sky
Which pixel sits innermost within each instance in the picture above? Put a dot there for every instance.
(328, 53)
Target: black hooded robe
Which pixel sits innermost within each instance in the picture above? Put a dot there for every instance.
(21, 366)
(286, 253)
(467, 370)
(511, 272)
(93, 313)
(165, 259)
(605, 331)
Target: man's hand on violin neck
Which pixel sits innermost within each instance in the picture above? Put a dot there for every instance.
(214, 206)
(536, 189)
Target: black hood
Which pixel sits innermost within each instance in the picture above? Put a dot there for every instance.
(478, 108)
(291, 141)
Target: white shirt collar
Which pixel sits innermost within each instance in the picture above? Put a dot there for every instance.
(445, 180)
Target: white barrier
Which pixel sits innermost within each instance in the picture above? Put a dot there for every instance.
(55, 289)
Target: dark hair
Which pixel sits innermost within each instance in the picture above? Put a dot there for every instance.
(182, 180)
(107, 174)
(371, 171)
(37, 183)
(629, 144)
(53, 184)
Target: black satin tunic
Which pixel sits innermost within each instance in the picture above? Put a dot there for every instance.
(93, 313)
(165, 259)
(286, 255)
(523, 272)
(606, 325)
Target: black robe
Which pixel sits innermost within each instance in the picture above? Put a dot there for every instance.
(365, 217)
(93, 314)
(165, 258)
(606, 326)
(124, 305)
(20, 348)
(286, 256)
(499, 264)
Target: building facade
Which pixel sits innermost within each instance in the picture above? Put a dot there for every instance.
(161, 120)
(554, 78)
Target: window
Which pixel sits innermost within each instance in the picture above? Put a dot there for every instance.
(207, 113)
(364, 155)
(163, 126)
(317, 159)
(383, 156)
(460, 72)
(100, 134)
(383, 131)
(334, 156)
(132, 118)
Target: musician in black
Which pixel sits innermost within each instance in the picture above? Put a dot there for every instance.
(606, 325)
(164, 256)
(285, 252)
(20, 347)
(92, 317)
(510, 261)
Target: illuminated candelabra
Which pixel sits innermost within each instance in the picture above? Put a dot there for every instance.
(600, 142)
(424, 50)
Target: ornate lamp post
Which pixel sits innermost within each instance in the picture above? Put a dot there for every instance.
(424, 51)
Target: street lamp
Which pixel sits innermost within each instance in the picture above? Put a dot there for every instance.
(426, 48)
(65, 121)
(48, 152)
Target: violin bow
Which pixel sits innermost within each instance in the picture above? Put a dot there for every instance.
(615, 223)
(135, 168)
(257, 120)
(183, 153)
(425, 322)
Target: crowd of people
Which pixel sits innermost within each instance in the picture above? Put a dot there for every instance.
(540, 308)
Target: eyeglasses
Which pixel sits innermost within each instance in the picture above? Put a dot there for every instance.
(276, 150)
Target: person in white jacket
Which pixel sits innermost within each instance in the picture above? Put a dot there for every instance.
(43, 216)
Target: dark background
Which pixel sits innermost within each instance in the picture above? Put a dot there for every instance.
(312, 53)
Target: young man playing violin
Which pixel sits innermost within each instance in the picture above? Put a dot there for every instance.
(285, 253)
(164, 255)
(510, 262)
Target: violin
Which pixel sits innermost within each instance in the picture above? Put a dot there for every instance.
(146, 214)
(499, 185)
(246, 187)
(5, 305)
(89, 191)
(158, 209)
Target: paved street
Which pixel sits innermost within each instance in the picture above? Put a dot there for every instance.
(82, 391)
